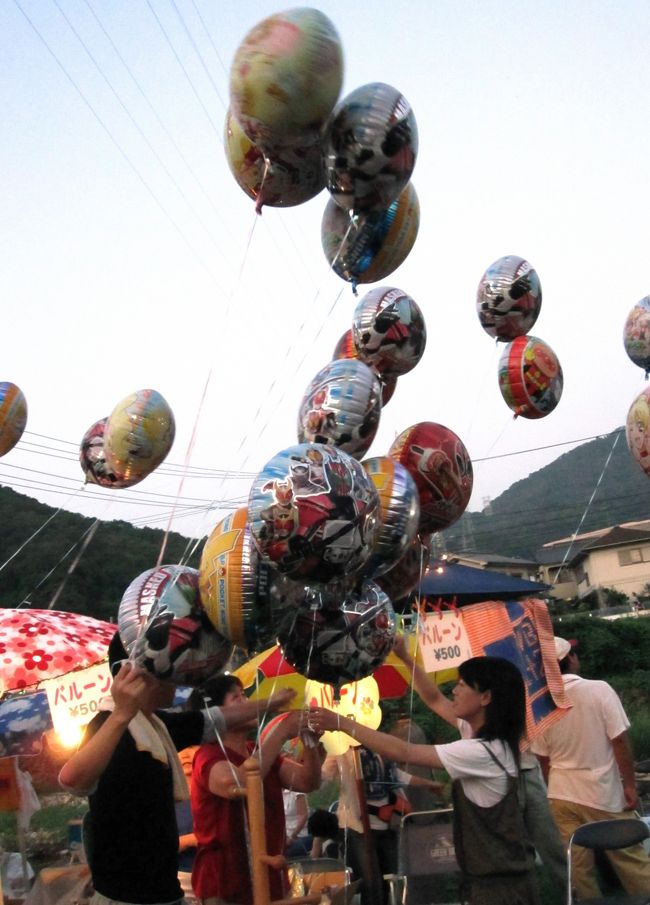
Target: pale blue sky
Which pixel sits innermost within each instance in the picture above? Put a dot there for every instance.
(128, 260)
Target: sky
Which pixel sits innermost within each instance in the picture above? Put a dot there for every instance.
(132, 259)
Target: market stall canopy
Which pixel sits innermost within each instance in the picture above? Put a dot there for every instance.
(470, 585)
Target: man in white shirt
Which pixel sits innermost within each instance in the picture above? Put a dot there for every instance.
(588, 761)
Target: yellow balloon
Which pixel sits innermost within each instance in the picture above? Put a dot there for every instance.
(139, 434)
(358, 700)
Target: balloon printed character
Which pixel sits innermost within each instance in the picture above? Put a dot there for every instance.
(637, 430)
(636, 335)
(509, 298)
(530, 377)
(13, 416)
(389, 331)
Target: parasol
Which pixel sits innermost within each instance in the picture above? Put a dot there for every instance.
(269, 671)
(46, 644)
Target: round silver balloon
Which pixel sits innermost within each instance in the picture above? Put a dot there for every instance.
(313, 513)
(509, 298)
(165, 629)
(368, 247)
(399, 512)
(341, 406)
(405, 576)
(371, 145)
(388, 331)
(344, 645)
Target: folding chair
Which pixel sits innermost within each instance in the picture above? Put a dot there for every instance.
(427, 867)
(603, 836)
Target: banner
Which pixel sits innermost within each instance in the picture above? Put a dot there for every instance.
(74, 698)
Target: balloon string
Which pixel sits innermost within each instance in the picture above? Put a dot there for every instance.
(587, 507)
(260, 195)
(186, 465)
(73, 565)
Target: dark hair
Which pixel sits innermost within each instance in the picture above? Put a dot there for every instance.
(116, 653)
(323, 823)
(505, 715)
(213, 692)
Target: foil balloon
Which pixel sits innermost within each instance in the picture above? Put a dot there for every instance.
(399, 512)
(368, 247)
(344, 645)
(165, 629)
(313, 513)
(341, 406)
(388, 331)
(407, 573)
(636, 335)
(235, 585)
(509, 297)
(286, 77)
(345, 348)
(93, 459)
(139, 434)
(442, 469)
(291, 176)
(370, 147)
(637, 430)
(530, 377)
(13, 416)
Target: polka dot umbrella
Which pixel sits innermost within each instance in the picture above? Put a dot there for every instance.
(46, 644)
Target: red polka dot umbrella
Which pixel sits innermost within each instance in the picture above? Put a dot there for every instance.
(45, 644)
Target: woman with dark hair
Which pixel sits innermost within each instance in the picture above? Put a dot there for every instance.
(488, 706)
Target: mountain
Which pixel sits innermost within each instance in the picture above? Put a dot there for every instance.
(593, 486)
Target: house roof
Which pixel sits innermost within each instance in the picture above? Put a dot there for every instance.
(488, 558)
(466, 582)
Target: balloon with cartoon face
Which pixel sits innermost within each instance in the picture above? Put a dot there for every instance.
(637, 430)
(93, 460)
(530, 377)
(509, 298)
(388, 331)
(139, 434)
(399, 512)
(439, 463)
(342, 645)
(345, 348)
(341, 407)
(165, 628)
(636, 334)
(370, 148)
(313, 513)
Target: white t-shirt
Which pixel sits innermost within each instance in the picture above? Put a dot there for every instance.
(291, 815)
(583, 766)
(483, 781)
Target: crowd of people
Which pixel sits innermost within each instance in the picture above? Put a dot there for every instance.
(153, 816)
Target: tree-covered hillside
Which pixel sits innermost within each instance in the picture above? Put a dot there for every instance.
(550, 503)
(115, 554)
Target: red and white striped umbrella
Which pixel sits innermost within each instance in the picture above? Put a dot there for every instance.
(46, 644)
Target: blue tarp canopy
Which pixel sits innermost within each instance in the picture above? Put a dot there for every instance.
(470, 585)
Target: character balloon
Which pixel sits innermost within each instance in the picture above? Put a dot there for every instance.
(399, 512)
(286, 77)
(509, 297)
(405, 576)
(389, 332)
(139, 434)
(530, 377)
(637, 430)
(636, 335)
(165, 629)
(13, 416)
(442, 469)
(313, 513)
(343, 645)
(341, 406)
(370, 147)
(292, 176)
(368, 247)
(93, 459)
(345, 348)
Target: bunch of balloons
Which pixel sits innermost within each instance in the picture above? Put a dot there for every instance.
(636, 339)
(508, 301)
(121, 450)
(13, 416)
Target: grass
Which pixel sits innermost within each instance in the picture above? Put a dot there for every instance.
(47, 838)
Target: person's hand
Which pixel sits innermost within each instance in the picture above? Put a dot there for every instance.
(323, 720)
(281, 699)
(130, 690)
(400, 648)
(293, 722)
(631, 797)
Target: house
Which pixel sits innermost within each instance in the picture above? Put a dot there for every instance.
(616, 557)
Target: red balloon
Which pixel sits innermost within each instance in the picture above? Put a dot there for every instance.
(530, 377)
(440, 464)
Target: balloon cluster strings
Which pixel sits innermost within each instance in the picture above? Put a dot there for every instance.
(587, 507)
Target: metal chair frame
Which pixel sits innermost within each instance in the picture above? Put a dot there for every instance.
(603, 836)
(440, 863)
